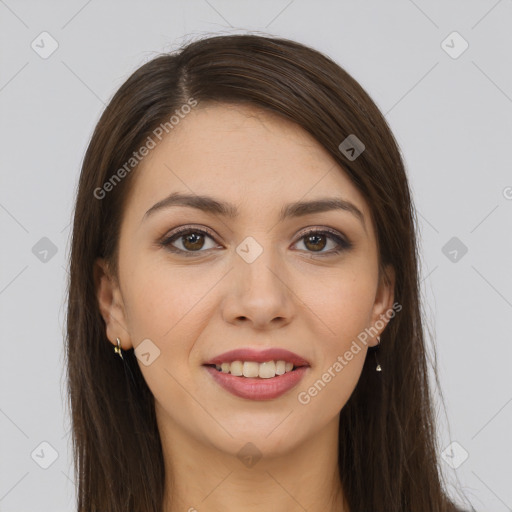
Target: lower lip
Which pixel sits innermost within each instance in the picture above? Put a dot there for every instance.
(257, 388)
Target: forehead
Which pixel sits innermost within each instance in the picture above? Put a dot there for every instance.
(244, 155)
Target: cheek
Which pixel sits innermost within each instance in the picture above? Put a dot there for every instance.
(342, 307)
(341, 303)
(167, 306)
(162, 302)
(328, 391)
(352, 308)
(343, 312)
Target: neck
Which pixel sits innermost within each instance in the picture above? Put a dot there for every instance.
(204, 477)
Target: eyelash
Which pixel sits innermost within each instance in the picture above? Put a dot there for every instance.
(343, 245)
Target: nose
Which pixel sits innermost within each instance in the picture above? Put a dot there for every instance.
(258, 293)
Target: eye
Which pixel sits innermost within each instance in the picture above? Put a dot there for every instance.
(192, 240)
(316, 240)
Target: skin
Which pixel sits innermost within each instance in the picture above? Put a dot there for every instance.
(291, 296)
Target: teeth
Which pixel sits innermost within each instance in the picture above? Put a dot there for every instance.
(252, 369)
(235, 368)
(267, 370)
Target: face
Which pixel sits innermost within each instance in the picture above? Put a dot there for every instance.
(245, 278)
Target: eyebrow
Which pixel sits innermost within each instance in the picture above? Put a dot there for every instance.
(298, 209)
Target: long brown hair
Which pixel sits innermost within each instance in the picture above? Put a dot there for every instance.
(388, 458)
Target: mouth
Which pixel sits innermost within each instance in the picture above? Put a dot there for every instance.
(253, 369)
(257, 375)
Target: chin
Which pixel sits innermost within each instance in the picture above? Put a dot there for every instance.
(269, 436)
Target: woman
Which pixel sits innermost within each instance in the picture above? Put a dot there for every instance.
(243, 236)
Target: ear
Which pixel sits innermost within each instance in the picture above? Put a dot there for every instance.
(111, 305)
(383, 305)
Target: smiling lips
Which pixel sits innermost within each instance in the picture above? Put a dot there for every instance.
(257, 374)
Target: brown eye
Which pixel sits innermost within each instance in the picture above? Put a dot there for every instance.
(315, 242)
(188, 241)
(193, 241)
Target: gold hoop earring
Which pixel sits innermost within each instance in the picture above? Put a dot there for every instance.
(118, 349)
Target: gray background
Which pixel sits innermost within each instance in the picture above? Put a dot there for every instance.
(451, 116)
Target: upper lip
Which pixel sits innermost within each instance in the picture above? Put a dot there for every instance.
(259, 356)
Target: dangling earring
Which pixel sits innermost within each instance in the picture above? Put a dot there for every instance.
(118, 349)
(379, 368)
(126, 364)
